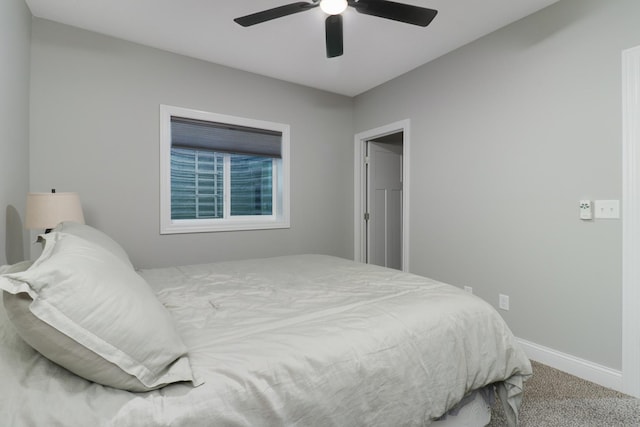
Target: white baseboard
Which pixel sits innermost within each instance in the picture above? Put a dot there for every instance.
(581, 368)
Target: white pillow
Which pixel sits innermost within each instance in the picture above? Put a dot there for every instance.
(93, 235)
(90, 312)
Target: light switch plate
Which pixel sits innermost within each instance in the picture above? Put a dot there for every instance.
(607, 209)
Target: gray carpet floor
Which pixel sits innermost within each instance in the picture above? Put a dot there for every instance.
(556, 399)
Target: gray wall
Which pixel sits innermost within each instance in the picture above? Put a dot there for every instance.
(507, 135)
(15, 34)
(95, 130)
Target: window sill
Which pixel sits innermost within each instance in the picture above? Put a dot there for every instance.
(211, 226)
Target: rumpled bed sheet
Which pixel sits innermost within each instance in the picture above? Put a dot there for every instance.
(305, 340)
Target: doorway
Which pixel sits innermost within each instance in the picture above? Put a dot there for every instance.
(381, 173)
(384, 201)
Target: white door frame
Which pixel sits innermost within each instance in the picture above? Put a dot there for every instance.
(359, 178)
(631, 221)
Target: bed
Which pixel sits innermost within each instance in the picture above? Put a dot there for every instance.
(304, 340)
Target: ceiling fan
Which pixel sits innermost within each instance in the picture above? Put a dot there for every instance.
(333, 24)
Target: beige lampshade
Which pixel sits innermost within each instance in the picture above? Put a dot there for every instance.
(46, 210)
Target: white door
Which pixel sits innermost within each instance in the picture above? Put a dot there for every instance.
(384, 204)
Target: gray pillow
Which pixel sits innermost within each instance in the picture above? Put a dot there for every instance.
(84, 308)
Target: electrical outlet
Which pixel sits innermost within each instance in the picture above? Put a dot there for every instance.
(468, 289)
(504, 302)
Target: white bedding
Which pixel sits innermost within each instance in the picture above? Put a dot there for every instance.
(304, 340)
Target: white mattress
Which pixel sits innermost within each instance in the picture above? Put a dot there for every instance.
(292, 341)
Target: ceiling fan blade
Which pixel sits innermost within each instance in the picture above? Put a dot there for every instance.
(333, 33)
(276, 12)
(396, 11)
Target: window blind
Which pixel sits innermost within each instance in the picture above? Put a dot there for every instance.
(225, 138)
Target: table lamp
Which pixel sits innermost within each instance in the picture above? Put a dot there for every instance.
(46, 210)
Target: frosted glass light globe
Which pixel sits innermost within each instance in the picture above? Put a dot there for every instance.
(333, 7)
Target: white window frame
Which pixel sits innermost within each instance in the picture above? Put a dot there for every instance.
(280, 217)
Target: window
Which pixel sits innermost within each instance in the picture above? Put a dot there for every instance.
(221, 173)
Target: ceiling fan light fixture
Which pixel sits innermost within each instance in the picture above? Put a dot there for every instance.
(387, 9)
(333, 7)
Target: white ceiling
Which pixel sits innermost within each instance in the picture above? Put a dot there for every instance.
(291, 48)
